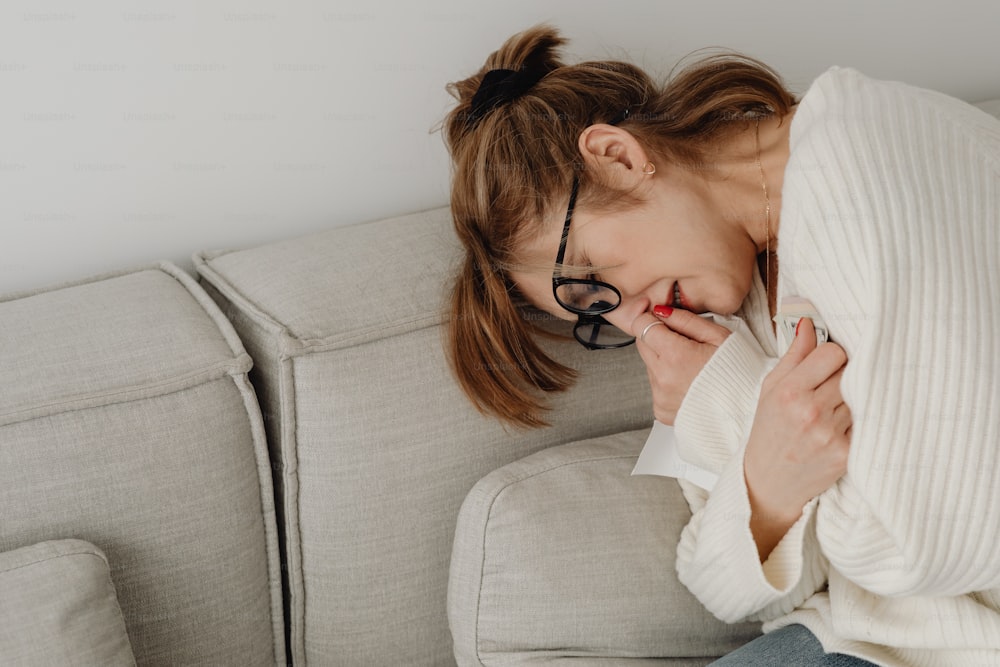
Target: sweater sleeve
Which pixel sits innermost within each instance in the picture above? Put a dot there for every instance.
(717, 557)
(717, 412)
(897, 198)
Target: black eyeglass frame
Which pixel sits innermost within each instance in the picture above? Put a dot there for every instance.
(591, 316)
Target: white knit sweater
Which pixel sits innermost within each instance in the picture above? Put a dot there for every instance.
(890, 226)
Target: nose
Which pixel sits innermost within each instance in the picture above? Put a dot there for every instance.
(629, 309)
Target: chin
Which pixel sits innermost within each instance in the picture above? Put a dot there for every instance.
(724, 302)
(725, 307)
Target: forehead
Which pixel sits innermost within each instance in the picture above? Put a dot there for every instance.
(539, 247)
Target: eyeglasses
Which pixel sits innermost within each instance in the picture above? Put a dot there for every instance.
(587, 298)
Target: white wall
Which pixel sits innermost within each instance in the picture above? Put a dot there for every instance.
(132, 131)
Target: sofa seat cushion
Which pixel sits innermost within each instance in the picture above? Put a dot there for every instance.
(58, 607)
(564, 555)
(127, 420)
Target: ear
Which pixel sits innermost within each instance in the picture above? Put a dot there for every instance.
(615, 153)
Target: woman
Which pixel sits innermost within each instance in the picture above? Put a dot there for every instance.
(858, 506)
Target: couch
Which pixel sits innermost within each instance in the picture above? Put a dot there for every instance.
(269, 462)
(136, 511)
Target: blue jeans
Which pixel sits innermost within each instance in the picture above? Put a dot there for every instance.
(790, 646)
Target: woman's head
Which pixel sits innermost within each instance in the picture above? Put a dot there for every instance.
(525, 128)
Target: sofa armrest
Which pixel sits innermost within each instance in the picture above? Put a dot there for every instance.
(563, 555)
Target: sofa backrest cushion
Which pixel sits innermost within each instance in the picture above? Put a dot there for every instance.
(372, 442)
(127, 420)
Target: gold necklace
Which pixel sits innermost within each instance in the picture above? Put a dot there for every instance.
(767, 219)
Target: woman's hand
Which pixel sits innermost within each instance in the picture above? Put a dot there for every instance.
(674, 355)
(800, 438)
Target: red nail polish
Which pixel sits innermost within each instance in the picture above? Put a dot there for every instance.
(663, 311)
(798, 325)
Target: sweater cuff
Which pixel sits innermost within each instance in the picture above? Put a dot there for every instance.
(783, 567)
(717, 412)
(723, 569)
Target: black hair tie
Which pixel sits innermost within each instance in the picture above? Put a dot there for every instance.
(500, 86)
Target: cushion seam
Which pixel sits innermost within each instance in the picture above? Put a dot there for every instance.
(54, 557)
(224, 286)
(211, 309)
(131, 393)
(288, 442)
(347, 340)
(265, 488)
(592, 459)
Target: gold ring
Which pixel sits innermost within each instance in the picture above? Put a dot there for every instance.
(649, 326)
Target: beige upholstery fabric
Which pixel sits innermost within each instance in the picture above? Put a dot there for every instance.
(373, 445)
(563, 554)
(127, 421)
(58, 607)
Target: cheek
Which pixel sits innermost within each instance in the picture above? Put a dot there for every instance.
(734, 288)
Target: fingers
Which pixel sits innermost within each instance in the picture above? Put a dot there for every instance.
(647, 328)
(694, 327)
(808, 364)
(822, 364)
(672, 360)
(802, 345)
(828, 391)
(828, 394)
(682, 322)
(843, 420)
(651, 335)
(804, 342)
(664, 405)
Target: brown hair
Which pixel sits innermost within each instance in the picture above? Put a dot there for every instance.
(513, 166)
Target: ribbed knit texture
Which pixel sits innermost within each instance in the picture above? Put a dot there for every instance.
(890, 226)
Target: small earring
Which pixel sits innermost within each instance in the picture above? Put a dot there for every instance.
(649, 168)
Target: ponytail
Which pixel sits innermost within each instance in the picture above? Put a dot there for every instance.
(494, 354)
(514, 155)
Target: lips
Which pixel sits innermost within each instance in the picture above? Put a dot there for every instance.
(676, 296)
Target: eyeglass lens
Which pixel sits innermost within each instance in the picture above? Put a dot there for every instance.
(583, 297)
(597, 333)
